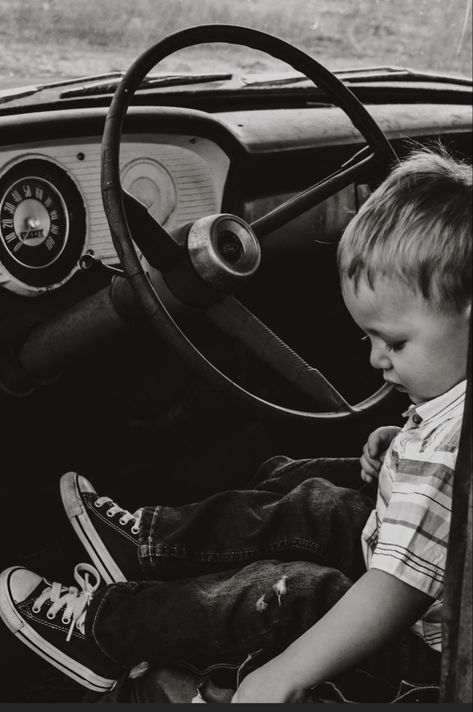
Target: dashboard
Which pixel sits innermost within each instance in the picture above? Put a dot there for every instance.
(182, 165)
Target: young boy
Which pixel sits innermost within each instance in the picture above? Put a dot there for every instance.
(299, 569)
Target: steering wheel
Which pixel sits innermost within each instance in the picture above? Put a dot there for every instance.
(221, 252)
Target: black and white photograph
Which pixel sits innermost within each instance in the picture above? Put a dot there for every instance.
(235, 351)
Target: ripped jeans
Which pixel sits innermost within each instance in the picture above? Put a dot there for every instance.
(242, 573)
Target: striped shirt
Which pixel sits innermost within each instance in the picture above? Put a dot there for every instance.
(406, 535)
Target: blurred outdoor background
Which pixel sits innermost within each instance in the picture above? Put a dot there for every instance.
(79, 37)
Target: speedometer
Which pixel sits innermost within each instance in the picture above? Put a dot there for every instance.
(34, 222)
(42, 223)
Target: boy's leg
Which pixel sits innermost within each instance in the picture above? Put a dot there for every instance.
(291, 513)
(214, 619)
(281, 473)
(309, 518)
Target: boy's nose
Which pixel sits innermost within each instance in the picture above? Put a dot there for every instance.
(379, 358)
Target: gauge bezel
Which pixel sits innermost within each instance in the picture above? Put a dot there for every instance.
(56, 272)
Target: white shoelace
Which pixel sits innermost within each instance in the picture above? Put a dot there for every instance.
(126, 516)
(75, 600)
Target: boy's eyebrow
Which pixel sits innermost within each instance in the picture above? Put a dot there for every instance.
(381, 334)
(370, 332)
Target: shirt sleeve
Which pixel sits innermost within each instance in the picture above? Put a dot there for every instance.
(413, 536)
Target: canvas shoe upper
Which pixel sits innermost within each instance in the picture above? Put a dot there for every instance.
(49, 618)
(109, 533)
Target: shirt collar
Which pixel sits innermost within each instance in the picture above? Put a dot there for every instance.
(443, 407)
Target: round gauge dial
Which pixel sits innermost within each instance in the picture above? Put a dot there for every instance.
(42, 223)
(34, 222)
(152, 184)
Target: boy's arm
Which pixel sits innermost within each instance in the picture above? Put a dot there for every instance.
(372, 612)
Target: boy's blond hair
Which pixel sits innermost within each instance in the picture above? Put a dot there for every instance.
(416, 228)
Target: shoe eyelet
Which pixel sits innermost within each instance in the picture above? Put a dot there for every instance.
(122, 521)
(135, 530)
(110, 513)
(97, 504)
(65, 621)
(50, 617)
(35, 609)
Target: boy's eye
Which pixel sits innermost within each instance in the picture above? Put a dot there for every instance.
(398, 346)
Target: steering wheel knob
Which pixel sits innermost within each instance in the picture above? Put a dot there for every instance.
(223, 250)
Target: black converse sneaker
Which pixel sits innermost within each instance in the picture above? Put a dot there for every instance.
(49, 618)
(108, 532)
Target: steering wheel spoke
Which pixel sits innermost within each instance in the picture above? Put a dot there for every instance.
(233, 318)
(322, 190)
(155, 243)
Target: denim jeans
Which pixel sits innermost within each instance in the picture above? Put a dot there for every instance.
(242, 573)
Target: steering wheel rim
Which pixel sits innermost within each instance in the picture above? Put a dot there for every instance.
(112, 195)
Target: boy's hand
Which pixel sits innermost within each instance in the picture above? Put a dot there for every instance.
(372, 613)
(269, 683)
(374, 451)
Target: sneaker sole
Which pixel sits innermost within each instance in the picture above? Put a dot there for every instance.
(85, 530)
(24, 632)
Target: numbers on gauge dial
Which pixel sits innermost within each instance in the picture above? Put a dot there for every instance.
(34, 222)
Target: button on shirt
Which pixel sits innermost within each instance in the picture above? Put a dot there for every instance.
(406, 535)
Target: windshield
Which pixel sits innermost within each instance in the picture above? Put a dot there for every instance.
(50, 39)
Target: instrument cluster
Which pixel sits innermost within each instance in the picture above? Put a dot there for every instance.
(51, 211)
